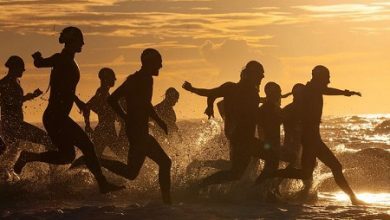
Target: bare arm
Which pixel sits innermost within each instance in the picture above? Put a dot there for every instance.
(286, 95)
(214, 93)
(80, 104)
(113, 100)
(210, 107)
(39, 61)
(334, 91)
(33, 95)
(157, 119)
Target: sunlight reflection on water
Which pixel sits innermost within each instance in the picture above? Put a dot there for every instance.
(370, 198)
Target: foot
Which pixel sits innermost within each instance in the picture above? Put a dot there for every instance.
(110, 187)
(20, 163)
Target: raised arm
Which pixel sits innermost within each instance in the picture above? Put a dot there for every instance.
(113, 99)
(39, 61)
(334, 91)
(214, 93)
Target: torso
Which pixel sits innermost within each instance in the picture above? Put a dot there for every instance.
(138, 99)
(312, 107)
(106, 114)
(11, 100)
(64, 78)
(240, 105)
(269, 117)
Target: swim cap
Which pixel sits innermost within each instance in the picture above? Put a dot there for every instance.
(252, 67)
(172, 92)
(297, 88)
(14, 61)
(319, 70)
(70, 34)
(149, 55)
(106, 73)
(272, 88)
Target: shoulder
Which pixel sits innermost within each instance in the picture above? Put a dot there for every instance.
(56, 57)
(228, 85)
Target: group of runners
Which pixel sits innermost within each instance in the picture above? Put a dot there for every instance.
(252, 123)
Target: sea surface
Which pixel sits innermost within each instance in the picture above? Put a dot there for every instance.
(361, 142)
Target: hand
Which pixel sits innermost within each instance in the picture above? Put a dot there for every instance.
(351, 93)
(37, 93)
(163, 126)
(209, 112)
(187, 86)
(37, 55)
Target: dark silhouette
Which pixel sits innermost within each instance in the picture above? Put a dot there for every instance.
(241, 101)
(221, 163)
(292, 124)
(291, 150)
(63, 131)
(138, 91)
(313, 146)
(165, 111)
(12, 97)
(104, 134)
(269, 121)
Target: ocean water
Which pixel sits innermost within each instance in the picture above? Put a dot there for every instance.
(362, 144)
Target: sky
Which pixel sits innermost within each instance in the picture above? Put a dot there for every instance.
(207, 42)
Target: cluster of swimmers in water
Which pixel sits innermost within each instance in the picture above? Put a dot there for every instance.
(252, 131)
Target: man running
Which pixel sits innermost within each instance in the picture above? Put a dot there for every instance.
(313, 146)
(241, 104)
(138, 91)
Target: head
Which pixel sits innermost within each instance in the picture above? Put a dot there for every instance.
(171, 96)
(273, 92)
(15, 66)
(107, 77)
(321, 76)
(297, 91)
(151, 61)
(252, 74)
(72, 38)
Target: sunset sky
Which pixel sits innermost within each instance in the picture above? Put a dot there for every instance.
(207, 42)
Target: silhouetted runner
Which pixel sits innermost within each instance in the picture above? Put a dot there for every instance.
(313, 146)
(138, 91)
(13, 126)
(241, 103)
(165, 111)
(269, 121)
(104, 134)
(291, 151)
(63, 131)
